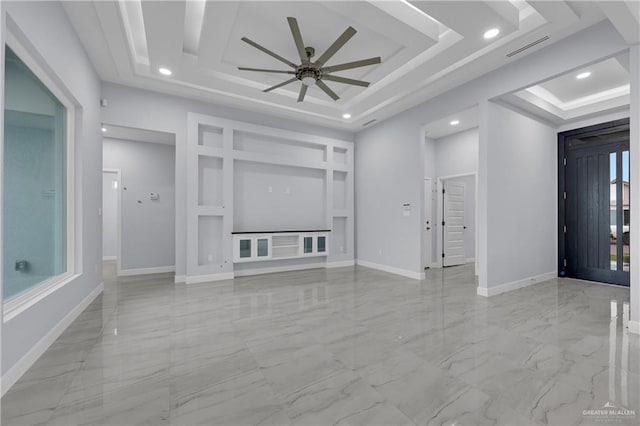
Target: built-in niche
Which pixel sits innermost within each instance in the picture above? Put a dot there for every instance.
(339, 235)
(210, 249)
(210, 181)
(276, 146)
(210, 136)
(339, 190)
(340, 155)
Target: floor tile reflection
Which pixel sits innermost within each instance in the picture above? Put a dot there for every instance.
(349, 346)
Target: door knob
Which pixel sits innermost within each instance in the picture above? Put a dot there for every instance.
(428, 228)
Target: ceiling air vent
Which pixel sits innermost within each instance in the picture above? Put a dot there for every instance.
(528, 46)
(368, 122)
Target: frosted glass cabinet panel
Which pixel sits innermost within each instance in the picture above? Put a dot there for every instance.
(308, 244)
(322, 244)
(245, 248)
(34, 181)
(262, 245)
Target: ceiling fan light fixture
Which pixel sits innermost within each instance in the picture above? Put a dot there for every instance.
(308, 80)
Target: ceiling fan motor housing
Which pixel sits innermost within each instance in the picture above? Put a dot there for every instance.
(308, 74)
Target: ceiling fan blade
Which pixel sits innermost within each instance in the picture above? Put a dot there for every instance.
(303, 91)
(355, 64)
(264, 70)
(326, 90)
(297, 37)
(280, 85)
(340, 41)
(346, 80)
(268, 52)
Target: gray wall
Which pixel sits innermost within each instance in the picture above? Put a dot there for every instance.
(390, 157)
(144, 109)
(521, 173)
(44, 27)
(148, 237)
(457, 154)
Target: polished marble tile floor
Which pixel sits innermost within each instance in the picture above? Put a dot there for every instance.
(344, 346)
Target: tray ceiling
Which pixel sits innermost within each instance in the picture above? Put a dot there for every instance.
(427, 47)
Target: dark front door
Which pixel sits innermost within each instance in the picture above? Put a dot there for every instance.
(594, 203)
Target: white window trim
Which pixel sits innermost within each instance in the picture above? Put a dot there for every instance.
(27, 299)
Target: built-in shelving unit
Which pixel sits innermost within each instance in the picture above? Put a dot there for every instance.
(260, 246)
(243, 177)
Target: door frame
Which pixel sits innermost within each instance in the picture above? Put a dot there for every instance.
(621, 124)
(428, 217)
(440, 187)
(118, 174)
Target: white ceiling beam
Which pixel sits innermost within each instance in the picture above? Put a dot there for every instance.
(476, 18)
(219, 19)
(123, 58)
(410, 15)
(164, 28)
(555, 11)
(625, 17)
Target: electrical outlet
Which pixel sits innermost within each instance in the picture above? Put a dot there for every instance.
(270, 189)
(380, 252)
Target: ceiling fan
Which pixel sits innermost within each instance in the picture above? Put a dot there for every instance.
(308, 72)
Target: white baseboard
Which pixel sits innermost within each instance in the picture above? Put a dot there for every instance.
(109, 258)
(180, 279)
(275, 269)
(195, 279)
(436, 265)
(391, 269)
(340, 264)
(634, 327)
(19, 368)
(146, 271)
(515, 285)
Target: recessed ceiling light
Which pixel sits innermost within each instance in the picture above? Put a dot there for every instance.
(491, 33)
(346, 116)
(164, 71)
(104, 129)
(583, 75)
(455, 122)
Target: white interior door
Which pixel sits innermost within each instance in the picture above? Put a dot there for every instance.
(453, 230)
(428, 225)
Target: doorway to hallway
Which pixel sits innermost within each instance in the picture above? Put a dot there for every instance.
(593, 203)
